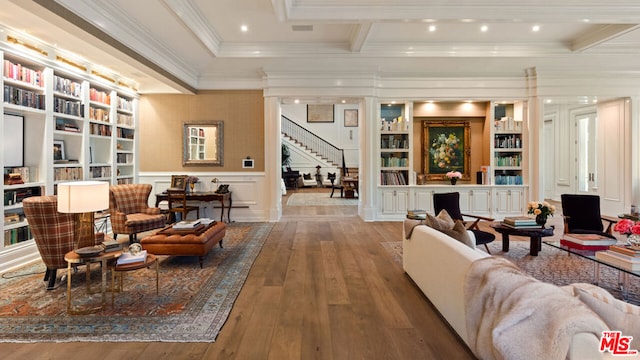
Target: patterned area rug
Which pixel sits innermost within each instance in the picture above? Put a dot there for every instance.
(319, 199)
(551, 265)
(192, 306)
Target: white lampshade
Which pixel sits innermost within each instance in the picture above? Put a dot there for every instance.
(83, 196)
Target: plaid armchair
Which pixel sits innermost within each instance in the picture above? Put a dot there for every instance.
(130, 212)
(53, 233)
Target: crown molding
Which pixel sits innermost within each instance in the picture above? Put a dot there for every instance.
(191, 16)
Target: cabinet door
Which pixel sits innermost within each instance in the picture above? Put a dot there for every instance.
(516, 201)
(502, 202)
(388, 202)
(465, 201)
(402, 201)
(423, 199)
(509, 202)
(481, 201)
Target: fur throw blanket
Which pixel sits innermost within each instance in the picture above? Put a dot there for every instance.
(511, 315)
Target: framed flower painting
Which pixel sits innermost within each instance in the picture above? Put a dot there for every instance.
(446, 147)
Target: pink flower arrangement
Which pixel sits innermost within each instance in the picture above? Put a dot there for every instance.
(453, 174)
(627, 227)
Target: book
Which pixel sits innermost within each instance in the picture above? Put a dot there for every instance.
(523, 227)
(186, 224)
(612, 259)
(520, 220)
(206, 221)
(625, 250)
(129, 258)
(589, 239)
(577, 246)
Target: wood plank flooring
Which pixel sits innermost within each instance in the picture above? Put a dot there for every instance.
(322, 288)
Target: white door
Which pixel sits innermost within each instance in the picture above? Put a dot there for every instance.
(586, 125)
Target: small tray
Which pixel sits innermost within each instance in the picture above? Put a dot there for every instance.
(89, 251)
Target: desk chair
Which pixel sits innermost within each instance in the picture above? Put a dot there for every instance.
(178, 203)
(451, 203)
(334, 186)
(581, 215)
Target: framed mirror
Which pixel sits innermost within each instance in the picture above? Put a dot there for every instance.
(203, 143)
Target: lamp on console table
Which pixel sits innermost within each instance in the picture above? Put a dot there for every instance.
(83, 198)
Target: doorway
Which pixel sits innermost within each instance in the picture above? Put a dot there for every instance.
(586, 150)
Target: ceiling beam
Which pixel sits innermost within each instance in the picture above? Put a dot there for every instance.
(599, 35)
(359, 36)
(191, 16)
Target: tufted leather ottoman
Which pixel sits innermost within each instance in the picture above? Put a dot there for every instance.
(185, 244)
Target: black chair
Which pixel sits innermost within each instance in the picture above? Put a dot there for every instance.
(332, 178)
(451, 203)
(581, 215)
(178, 203)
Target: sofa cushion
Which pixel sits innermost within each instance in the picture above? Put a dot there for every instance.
(459, 232)
(617, 314)
(441, 222)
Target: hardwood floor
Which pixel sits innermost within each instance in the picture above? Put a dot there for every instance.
(322, 288)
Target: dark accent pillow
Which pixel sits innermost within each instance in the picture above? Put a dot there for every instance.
(306, 176)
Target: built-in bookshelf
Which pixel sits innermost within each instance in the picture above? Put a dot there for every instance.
(395, 145)
(508, 144)
(87, 120)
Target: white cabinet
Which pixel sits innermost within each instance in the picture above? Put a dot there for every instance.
(395, 201)
(509, 201)
(423, 199)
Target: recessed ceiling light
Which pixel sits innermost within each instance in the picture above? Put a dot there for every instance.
(484, 28)
(344, 101)
(244, 28)
(432, 28)
(535, 28)
(296, 101)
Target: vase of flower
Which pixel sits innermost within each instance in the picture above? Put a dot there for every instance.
(453, 180)
(453, 176)
(541, 219)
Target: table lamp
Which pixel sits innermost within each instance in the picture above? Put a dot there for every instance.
(83, 198)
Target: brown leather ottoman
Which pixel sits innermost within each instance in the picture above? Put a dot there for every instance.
(185, 244)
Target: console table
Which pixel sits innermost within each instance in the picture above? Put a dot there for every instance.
(204, 196)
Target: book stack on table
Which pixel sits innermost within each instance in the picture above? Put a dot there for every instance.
(187, 224)
(593, 242)
(622, 256)
(520, 222)
(417, 214)
(110, 246)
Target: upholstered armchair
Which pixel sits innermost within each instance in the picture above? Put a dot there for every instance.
(581, 215)
(53, 233)
(130, 211)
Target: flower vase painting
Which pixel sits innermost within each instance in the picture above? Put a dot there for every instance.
(446, 149)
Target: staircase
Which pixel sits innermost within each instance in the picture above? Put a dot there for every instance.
(312, 143)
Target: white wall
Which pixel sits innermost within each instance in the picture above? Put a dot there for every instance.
(335, 133)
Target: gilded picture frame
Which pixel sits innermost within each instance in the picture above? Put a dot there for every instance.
(446, 146)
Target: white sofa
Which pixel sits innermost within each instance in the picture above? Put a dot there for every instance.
(439, 265)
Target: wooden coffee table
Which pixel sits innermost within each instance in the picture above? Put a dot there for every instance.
(121, 269)
(535, 236)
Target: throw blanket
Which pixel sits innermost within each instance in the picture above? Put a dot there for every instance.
(511, 315)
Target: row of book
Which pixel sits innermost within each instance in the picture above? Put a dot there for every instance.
(592, 242)
(17, 235)
(393, 161)
(97, 114)
(98, 172)
(18, 96)
(124, 158)
(622, 256)
(508, 179)
(392, 178)
(124, 119)
(520, 222)
(23, 171)
(98, 129)
(125, 104)
(417, 214)
(22, 73)
(67, 87)
(99, 96)
(511, 160)
(68, 107)
(67, 173)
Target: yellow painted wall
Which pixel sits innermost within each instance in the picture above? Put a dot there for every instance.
(162, 118)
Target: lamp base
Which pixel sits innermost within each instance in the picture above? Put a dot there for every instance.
(84, 230)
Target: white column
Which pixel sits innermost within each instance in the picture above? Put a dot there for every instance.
(368, 160)
(272, 158)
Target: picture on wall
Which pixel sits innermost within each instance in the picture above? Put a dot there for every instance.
(320, 113)
(351, 117)
(446, 147)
